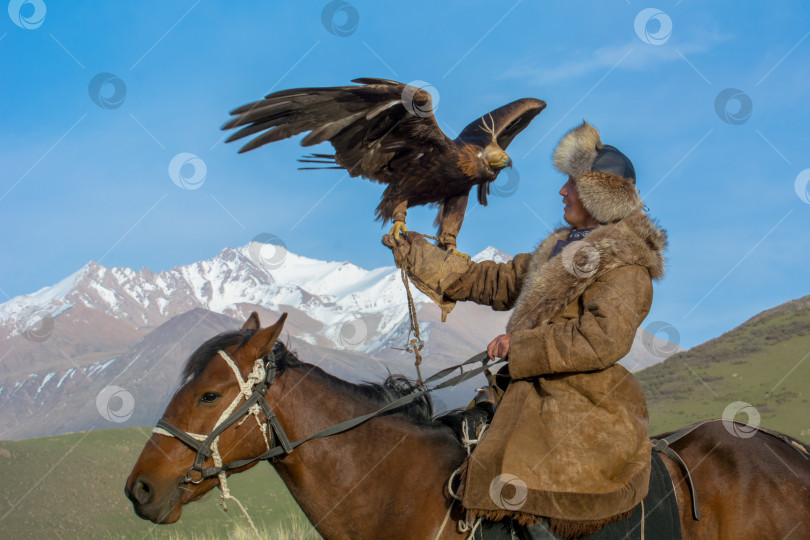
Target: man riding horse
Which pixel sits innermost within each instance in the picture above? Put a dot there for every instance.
(569, 436)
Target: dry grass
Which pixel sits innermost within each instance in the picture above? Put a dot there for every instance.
(292, 528)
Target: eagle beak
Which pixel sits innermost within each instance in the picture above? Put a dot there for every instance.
(503, 162)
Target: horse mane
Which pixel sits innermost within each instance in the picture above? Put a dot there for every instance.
(200, 358)
(395, 386)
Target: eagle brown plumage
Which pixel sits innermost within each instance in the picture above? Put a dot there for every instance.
(385, 131)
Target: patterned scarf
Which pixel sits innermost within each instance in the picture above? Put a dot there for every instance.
(575, 235)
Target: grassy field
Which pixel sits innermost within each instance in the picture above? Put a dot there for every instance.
(72, 486)
(764, 362)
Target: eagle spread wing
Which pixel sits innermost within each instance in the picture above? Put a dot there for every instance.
(385, 131)
(372, 131)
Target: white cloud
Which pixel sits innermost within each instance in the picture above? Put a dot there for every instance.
(641, 56)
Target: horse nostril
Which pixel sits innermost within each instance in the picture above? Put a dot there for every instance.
(141, 492)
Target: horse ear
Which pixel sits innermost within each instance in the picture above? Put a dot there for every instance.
(262, 343)
(252, 323)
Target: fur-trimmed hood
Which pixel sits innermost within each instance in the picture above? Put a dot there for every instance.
(550, 285)
(604, 177)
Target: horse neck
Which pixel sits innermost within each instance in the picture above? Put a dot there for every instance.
(341, 482)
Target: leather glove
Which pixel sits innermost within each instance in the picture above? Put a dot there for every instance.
(431, 269)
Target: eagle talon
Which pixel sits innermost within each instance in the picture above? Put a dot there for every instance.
(398, 228)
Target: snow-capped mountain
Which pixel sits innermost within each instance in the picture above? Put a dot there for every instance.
(492, 254)
(329, 294)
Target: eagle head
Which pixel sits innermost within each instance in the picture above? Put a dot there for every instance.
(495, 157)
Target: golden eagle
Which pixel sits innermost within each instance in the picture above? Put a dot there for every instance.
(385, 131)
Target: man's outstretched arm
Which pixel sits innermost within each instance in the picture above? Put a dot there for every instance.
(491, 284)
(488, 283)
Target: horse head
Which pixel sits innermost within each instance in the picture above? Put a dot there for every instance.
(164, 478)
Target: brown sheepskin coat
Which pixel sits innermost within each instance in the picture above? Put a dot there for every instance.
(569, 439)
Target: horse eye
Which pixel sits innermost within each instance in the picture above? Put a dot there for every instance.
(209, 397)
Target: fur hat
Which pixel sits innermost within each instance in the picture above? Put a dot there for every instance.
(605, 178)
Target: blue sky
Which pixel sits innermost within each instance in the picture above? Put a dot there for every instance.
(84, 182)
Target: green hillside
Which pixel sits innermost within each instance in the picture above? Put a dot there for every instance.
(764, 362)
(72, 486)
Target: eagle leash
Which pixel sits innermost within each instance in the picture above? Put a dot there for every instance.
(414, 341)
(414, 344)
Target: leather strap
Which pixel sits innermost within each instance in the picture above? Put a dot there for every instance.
(180, 434)
(349, 424)
(796, 445)
(281, 444)
(663, 446)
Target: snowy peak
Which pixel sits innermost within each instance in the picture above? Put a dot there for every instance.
(262, 273)
(330, 294)
(492, 254)
(51, 298)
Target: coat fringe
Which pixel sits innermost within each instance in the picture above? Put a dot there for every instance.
(568, 529)
(564, 528)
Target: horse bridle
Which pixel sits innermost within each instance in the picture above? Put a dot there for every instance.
(279, 444)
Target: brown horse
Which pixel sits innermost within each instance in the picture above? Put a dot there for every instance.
(386, 477)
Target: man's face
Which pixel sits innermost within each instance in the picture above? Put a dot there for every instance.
(574, 212)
